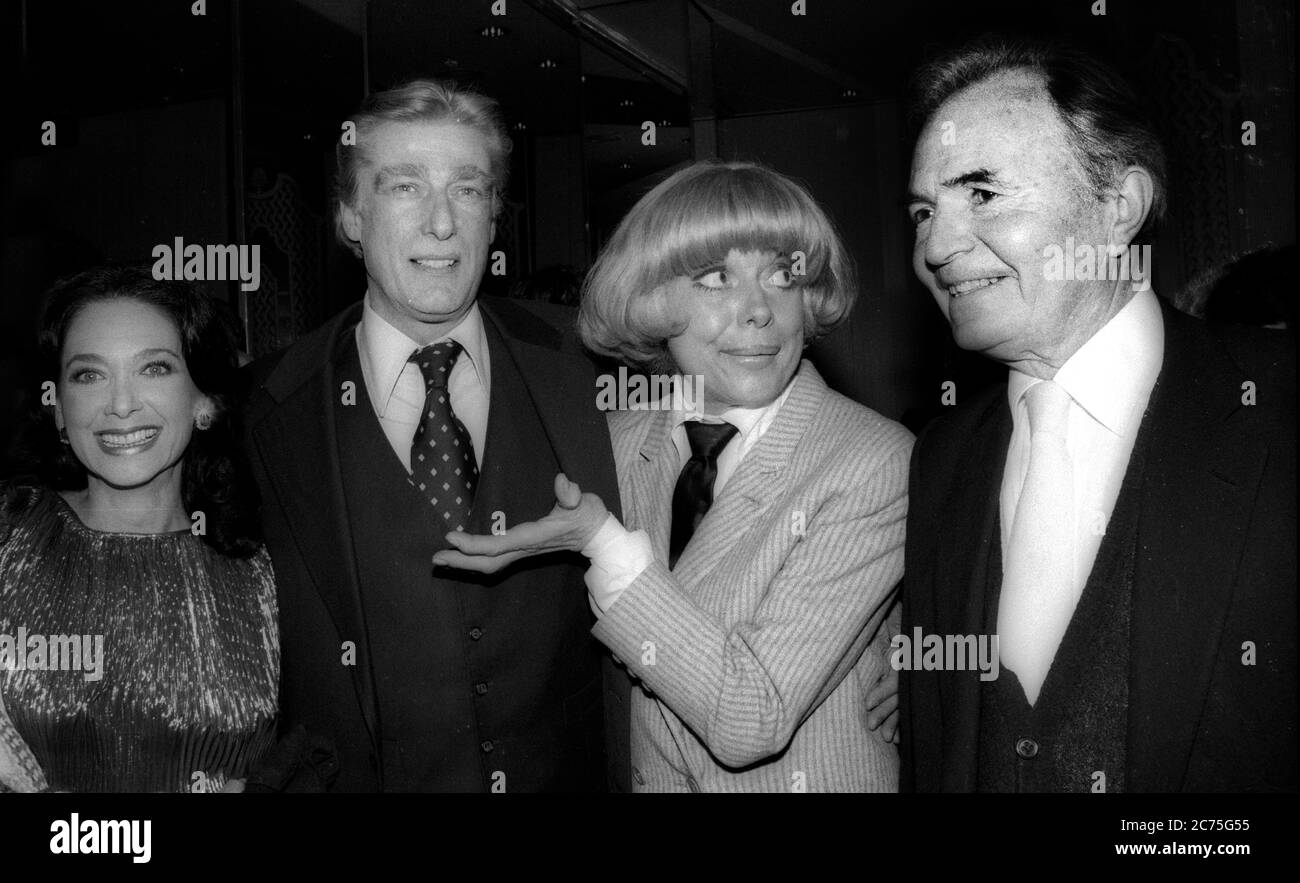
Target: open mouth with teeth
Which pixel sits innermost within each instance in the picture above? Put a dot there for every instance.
(972, 285)
(436, 263)
(128, 439)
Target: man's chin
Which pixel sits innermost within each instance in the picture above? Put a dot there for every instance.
(439, 306)
(976, 337)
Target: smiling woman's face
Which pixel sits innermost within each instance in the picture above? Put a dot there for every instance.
(125, 396)
(744, 328)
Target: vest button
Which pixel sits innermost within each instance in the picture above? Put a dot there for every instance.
(475, 633)
(1026, 748)
(480, 689)
(487, 746)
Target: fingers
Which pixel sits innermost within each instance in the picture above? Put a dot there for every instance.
(883, 688)
(529, 538)
(568, 527)
(490, 545)
(567, 493)
(473, 563)
(883, 711)
(889, 732)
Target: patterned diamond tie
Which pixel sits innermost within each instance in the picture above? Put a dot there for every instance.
(693, 495)
(443, 467)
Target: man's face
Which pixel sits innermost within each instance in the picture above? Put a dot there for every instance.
(994, 183)
(423, 215)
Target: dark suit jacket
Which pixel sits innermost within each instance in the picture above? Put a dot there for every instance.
(292, 442)
(1215, 568)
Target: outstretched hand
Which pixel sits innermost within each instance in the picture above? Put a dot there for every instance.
(569, 526)
(882, 705)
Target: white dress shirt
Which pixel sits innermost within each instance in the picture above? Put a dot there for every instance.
(618, 555)
(396, 386)
(1109, 380)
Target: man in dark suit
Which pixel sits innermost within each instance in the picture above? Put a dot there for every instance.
(1121, 512)
(423, 410)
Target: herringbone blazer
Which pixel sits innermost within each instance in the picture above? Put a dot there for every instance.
(753, 654)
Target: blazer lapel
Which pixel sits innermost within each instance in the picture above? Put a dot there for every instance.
(298, 444)
(651, 476)
(1201, 475)
(758, 481)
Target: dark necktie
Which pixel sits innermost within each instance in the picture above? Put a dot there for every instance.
(694, 492)
(443, 467)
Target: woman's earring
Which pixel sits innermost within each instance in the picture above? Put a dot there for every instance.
(63, 435)
(203, 420)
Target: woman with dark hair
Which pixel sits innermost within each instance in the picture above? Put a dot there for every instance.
(750, 584)
(139, 649)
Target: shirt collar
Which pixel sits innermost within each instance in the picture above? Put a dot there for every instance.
(750, 422)
(385, 350)
(1112, 374)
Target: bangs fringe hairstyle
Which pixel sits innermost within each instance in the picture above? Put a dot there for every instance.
(215, 476)
(689, 223)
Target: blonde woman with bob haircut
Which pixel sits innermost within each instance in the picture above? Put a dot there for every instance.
(749, 591)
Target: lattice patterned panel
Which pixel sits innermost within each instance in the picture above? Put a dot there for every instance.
(288, 303)
(1195, 119)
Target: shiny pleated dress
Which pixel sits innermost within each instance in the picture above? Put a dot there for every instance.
(184, 697)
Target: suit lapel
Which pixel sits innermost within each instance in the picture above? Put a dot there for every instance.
(562, 388)
(297, 442)
(971, 531)
(1201, 476)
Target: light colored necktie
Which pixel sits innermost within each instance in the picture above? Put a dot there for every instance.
(1038, 595)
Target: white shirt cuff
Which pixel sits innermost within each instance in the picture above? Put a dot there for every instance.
(618, 556)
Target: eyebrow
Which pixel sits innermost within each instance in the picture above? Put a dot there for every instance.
(401, 170)
(975, 176)
(978, 176)
(469, 172)
(412, 170)
(99, 360)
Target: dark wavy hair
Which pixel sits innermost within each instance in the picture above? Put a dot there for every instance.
(215, 476)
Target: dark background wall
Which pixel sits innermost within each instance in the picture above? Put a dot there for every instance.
(220, 127)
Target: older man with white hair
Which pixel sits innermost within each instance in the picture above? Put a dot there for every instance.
(1121, 512)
